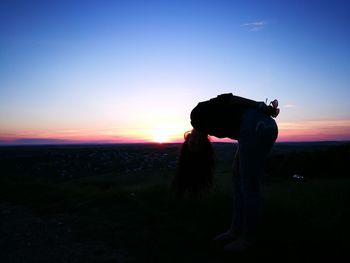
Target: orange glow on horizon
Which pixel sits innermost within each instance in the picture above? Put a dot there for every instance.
(164, 134)
(320, 130)
(325, 130)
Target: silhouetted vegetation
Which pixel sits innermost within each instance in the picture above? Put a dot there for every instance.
(310, 160)
(121, 207)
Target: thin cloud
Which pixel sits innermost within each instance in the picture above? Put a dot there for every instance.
(254, 26)
(288, 106)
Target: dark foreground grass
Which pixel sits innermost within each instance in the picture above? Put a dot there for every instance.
(303, 220)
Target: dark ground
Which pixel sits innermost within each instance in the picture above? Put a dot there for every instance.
(113, 203)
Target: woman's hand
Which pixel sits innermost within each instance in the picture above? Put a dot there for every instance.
(275, 110)
(271, 110)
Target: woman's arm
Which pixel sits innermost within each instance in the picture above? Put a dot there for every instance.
(270, 110)
(244, 102)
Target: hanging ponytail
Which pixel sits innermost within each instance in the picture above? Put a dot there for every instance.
(195, 169)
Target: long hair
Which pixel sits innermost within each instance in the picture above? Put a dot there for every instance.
(195, 169)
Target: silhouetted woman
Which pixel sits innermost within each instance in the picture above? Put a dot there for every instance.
(250, 123)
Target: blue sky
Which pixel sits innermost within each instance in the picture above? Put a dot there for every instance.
(119, 70)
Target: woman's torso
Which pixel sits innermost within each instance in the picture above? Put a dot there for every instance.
(217, 117)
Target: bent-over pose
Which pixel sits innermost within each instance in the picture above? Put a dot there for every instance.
(251, 124)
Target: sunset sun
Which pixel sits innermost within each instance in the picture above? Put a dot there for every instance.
(163, 133)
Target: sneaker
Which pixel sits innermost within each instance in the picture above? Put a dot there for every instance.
(226, 237)
(240, 245)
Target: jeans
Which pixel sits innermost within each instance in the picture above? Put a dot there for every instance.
(258, 133)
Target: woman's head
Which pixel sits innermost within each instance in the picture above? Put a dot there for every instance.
(196, 163)
(197, 141)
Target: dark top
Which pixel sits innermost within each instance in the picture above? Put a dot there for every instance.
(218, 117)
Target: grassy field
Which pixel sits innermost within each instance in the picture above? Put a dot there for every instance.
(135, 217)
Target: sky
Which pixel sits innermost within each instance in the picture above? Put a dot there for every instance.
(131, 71)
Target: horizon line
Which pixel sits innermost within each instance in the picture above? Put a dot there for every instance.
(72, 143)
